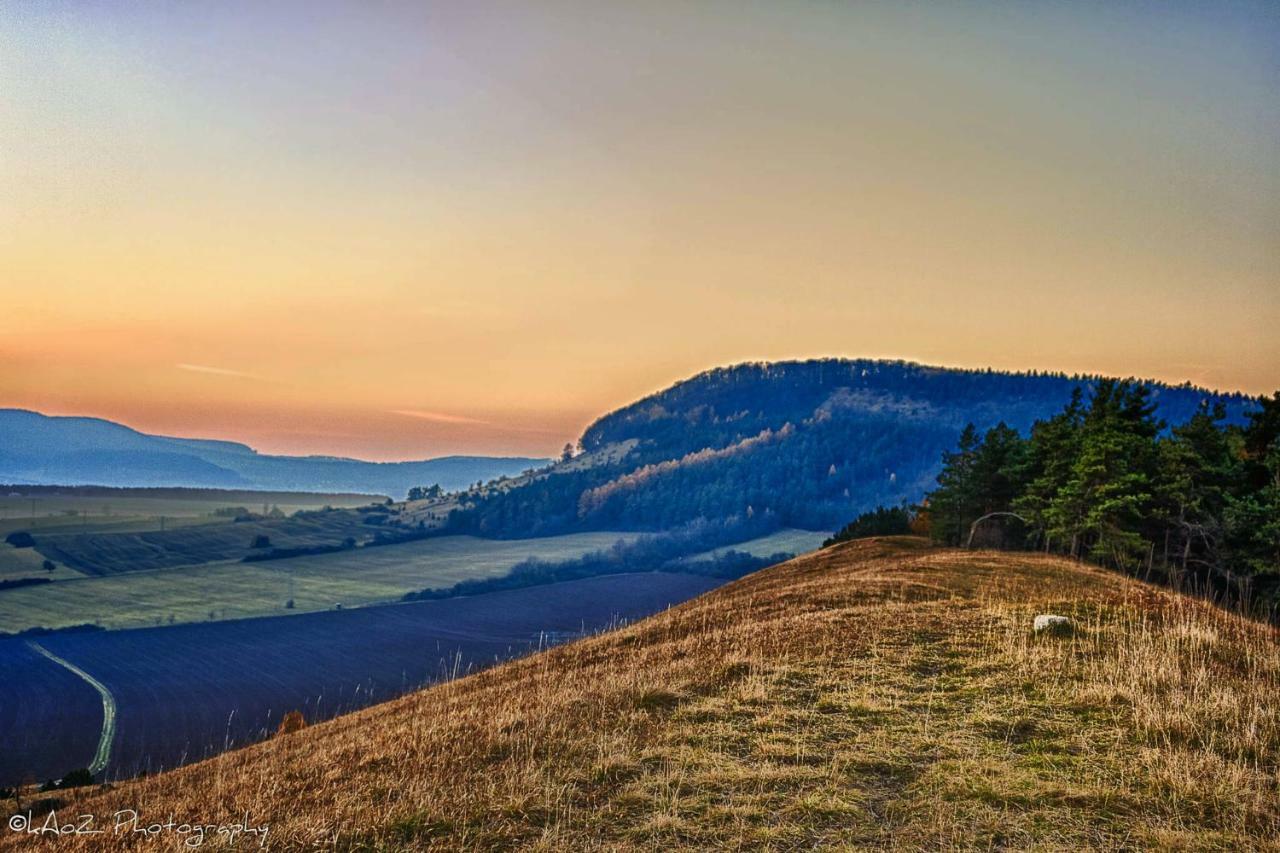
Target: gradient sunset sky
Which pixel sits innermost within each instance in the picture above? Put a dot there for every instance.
(399, 230)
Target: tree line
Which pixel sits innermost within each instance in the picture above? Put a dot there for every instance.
(1196, 505)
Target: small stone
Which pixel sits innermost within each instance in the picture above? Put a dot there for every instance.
(1048, 622)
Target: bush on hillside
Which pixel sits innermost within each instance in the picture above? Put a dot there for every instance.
(292, 722)
(20, 539)
(14, 583)
(75, 779)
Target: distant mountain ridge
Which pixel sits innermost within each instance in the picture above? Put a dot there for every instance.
(809, 443)
(43, 449)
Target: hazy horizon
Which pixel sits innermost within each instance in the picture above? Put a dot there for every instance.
(556, 445)
(472, 228)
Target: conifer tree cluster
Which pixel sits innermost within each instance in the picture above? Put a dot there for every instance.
(1197, 505)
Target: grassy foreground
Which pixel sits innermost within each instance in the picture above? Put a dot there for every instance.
(876, 694)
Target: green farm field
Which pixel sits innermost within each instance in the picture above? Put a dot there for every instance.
(232, 590)
(28, 563)
(790, 540)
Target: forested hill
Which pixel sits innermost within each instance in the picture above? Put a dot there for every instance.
(806, 444)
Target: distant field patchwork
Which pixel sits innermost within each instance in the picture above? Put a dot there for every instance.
(185, 692)
(219, 591)
(112, 553)
(96, 510)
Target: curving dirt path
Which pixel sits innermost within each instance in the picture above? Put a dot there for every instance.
(103, 755)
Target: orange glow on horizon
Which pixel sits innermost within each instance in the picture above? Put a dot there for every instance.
(246, 223)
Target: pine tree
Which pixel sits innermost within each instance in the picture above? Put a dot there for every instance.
(1108, 494)
(1199, 466)
(1050, 455)
(953, 505)
(1253, 516)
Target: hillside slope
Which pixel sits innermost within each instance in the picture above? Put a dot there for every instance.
(878, 693)
(809, 444)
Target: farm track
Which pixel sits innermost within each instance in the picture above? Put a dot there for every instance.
(103, 753)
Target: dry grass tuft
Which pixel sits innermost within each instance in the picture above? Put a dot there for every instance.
(877, 694)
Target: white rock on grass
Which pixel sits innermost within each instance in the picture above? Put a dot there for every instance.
(1051, 623)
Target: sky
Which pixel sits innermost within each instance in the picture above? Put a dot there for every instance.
(400, 230)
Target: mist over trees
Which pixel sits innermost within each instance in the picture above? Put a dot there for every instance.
(1196, 505)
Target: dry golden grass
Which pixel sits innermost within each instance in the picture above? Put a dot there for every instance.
(876, 694)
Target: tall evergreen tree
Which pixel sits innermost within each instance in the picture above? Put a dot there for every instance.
(1199, 465)
(1253, 516)
(1051, 453)
(953, 505)
(1102, 506)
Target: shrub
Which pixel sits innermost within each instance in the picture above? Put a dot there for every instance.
(14, 583)
(292, 722)
(75, 779)
(20, 539)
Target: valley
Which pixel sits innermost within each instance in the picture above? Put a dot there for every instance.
(147, 638)
(876, 693)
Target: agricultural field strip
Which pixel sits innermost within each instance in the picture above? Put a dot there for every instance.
(103, 754)
(116, 506)
(28, 563)
(791, 540)
(236, 590)
(195, 690)
(116, 552)
(134, 512)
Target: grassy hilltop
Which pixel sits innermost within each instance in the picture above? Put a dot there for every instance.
(877, 693)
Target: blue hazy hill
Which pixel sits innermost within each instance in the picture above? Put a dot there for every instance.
(40, 449)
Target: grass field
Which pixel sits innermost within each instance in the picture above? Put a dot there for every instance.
(236, 590)
(789, 540)
(29, 563)
(872, 695)
(111, 553)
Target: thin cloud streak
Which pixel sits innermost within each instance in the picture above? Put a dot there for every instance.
(436, 417)
(217, 371)
(443, 418)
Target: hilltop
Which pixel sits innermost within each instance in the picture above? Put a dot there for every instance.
(875, 693)
(42, 449)
(805, 444)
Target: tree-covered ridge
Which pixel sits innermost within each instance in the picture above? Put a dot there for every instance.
(1195, 505)
(810, 443)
